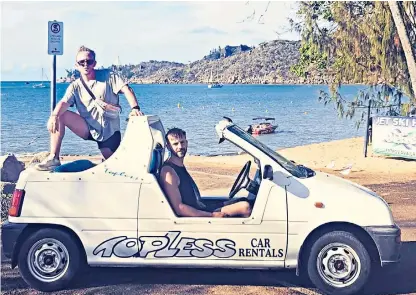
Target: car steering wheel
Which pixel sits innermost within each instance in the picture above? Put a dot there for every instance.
(242, 180)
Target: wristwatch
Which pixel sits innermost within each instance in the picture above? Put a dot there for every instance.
(136, 108)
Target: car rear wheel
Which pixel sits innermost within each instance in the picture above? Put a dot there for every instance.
(339, 263)
(49, 259)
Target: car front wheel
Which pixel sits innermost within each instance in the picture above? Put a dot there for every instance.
(49, 259)
(339, 263)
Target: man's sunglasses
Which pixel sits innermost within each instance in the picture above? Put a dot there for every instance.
(85, 61)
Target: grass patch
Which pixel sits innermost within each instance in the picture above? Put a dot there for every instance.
(5, 204)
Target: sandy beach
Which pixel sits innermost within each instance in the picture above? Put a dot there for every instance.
(341, 153)
(317, 156)
(393, 179)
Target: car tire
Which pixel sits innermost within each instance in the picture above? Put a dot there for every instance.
(49, 259)
(339, 263)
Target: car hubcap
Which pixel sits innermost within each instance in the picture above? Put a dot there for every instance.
(339, 265)
(48, 260)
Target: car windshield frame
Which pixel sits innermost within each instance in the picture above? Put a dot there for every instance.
(286, 164)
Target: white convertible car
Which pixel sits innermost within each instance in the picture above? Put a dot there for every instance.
(115, 214)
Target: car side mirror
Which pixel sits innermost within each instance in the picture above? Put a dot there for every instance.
(268, 172)
(281, 179)
(278, 177)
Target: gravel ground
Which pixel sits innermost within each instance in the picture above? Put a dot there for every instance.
(396, 280)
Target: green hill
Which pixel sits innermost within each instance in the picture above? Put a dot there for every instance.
(268, 63)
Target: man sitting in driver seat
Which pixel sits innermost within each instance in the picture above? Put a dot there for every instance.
(181, 189)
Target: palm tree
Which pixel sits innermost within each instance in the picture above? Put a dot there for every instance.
(404, 39)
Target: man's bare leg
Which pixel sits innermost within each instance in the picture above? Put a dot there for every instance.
(75, 123)
(242, 208)
(106, 152)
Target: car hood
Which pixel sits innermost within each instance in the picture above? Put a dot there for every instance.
(325, 181)
(343, 200)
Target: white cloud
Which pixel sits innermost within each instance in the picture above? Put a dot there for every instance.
(135, 31)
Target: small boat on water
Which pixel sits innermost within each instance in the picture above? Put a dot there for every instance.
(264, 125)
(42, 85)
(212, 83)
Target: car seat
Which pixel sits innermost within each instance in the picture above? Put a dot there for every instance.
(156, 161)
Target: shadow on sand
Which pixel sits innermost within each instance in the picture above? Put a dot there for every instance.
(399, 279)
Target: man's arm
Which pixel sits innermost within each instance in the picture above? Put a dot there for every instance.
(53, 122)
(170, 183)
(60, 108)
(131, 98)
(67, 100)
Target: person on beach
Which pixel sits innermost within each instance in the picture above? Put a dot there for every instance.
(413, 112)
(95, 96)
(181, 190)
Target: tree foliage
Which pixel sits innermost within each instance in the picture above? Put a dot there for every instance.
(357, 42)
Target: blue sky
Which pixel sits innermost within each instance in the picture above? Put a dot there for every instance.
(134, 31)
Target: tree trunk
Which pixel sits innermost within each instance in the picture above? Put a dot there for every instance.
(407, 48)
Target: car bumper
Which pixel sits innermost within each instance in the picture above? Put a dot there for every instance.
(10, 232)
(388, 242)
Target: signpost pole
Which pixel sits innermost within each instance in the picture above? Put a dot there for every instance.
(55, 47)
(53, 84)
(366, 129)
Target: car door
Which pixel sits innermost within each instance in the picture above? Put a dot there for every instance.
(259, 240)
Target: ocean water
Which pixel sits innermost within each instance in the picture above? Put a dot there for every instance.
(301, 118)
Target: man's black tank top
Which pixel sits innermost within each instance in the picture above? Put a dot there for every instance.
(187, 187)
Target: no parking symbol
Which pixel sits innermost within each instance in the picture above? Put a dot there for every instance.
(55, 28)
(55, 38)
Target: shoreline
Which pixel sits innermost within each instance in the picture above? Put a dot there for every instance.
(204, 84)
(214, 155)
(330, 155)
